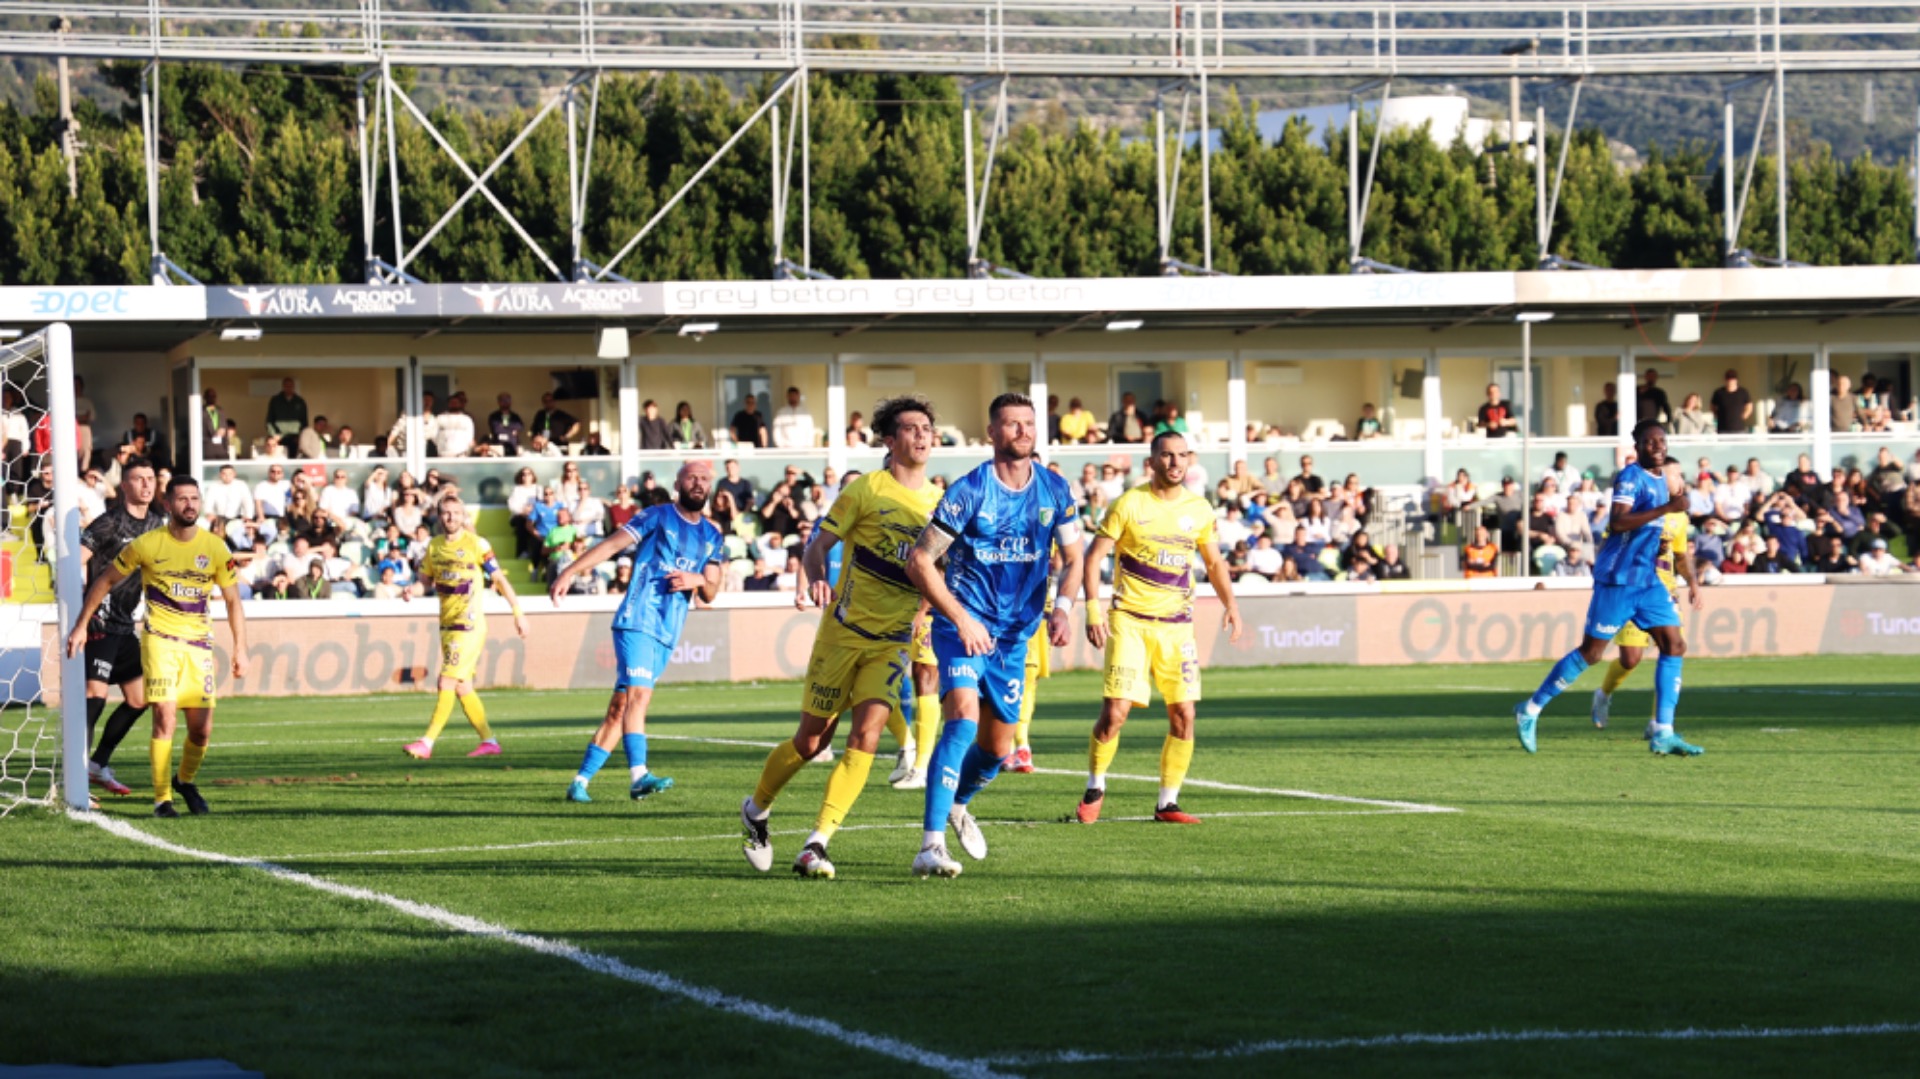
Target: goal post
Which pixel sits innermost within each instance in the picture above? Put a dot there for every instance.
(43, 710)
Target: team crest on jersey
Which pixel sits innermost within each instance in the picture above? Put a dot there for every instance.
(200, 562)
(1046, 516)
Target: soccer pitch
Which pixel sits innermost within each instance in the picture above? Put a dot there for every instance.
(1468, 909)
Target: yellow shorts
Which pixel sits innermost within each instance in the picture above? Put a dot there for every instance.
(921, 650)
(460, 651)
(846, 669)
(1039, 654)
(176, 672)
(1143, 654)
(1632, 636)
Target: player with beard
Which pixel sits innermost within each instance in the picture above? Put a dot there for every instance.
(995, 528)
(113, 643)
(677, 551)
(180, 567)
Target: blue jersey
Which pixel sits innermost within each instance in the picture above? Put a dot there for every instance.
(664, 542)
(1632, 558)
(997, 566)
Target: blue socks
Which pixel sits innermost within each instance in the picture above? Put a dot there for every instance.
(944, 769)
(977, 769)
(1666, 689)
(1564, 673)
(636, 747)
(592, 761)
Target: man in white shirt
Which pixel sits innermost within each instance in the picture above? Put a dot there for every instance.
(340, 501)
(1878, 563)
(454, 432)
(227, 497)
(1265, 559)
(1731, 500)
(270, 495)
(793, 425)
(1562, 473)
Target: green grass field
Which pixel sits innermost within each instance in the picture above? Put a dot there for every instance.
(1773, 883)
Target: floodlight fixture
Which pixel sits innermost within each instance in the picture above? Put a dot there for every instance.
(1683, 327)
(1123, 325)
(1534, 316)
(612, 343)
(242, 333)
(699, 329)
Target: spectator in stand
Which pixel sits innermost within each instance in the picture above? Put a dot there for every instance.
(1358, 560)
(622, 577)
(1732, 406)
(1844, 409)
(571, 485)
(1113, 482)
(1459, 494)
(341, 502)
(1314, 485)
(1079, 424)
(316, 440)
(542, 517)
(1782, 520)
(859, 435)
(1232, 528)
(1572, 529)
(1509, 507)
(687, 434)
(538, 446)
(1759, 480)
(1692, 419)
(1834, 559)
(1265, 560)
(556, 423)
(389, 586)
(1887, 483)
(1270, 478)
(1871, 406)
(1391, 568)
(1317, 526)
(156, 446)
(526, 491)
(1650, 401)
(1541, 518)
(623, 509)
(315, 584)
(1606, 414)
(1879, 563)
(749, 426)
(1575, 564)
(1481, 558)
(228, 497)
(455, 428)
(287, 417)
(1701, 501)
(375, 495)
(1495, 417)
(1564, 478)
(1127, 424)
(733, 484)
(1170, 419)
(1790, 412)
(1304, 553)
(594, 447)
(590, 516)
(1083, 487)
(344, 446)
(505, 428)
(1367, 427)
(558, 540)
(409, 513)
(270, 496)
(655, 433)
(793, 425)
(1845, 515)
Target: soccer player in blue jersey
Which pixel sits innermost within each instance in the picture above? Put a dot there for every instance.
(995, 527)
(1627, 588)
(677, 551)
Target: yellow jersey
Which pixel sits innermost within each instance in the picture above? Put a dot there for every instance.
(460, 569)
(1155, 543)
(1674, 530)
(879, 520)
(178, 578)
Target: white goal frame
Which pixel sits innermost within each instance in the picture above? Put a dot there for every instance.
(52, 347)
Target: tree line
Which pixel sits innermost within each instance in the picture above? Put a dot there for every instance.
(260, 169)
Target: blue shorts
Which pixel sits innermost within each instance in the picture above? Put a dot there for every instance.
(999, 677)
(1648, 606)
(638, 659)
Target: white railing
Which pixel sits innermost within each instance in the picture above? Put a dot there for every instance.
(1437, 38)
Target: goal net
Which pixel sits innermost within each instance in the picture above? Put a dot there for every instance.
(41, 759)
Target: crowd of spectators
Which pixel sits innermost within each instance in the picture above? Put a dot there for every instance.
(1732, 410)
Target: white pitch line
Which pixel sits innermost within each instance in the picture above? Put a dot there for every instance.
(1405, 807)
(1484, 1037)
(541, 844)
(599, 964)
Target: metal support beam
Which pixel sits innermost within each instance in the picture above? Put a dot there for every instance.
(766, 106)
(836, 414)
(196, 424)
(1433, 414)
(161, 270)
(1236, 408)
(1548, 261)
(580, 169)
(1821, 402)
(1732, 209)
(1360, 200)
(977, 206)
(1780, 153)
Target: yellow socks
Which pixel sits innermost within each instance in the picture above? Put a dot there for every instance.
(1176, 756)
(1616, 674)
(926, 727)
(190, 758)
(442, 711)
(897, 726)
(160, 752)
(783, 763)
(1100, 758)
(843, 788)
(476, 715)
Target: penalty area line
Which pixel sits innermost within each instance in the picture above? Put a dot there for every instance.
(1210, 784)
(1484, 1037)
(892, 1048)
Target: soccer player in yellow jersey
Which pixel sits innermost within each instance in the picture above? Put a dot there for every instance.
(1674, 564)
(859, 655)
(180, 567)
(460, 565)
(1155, 531)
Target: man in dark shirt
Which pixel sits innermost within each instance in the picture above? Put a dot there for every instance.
(737, 486)
(504, 426)
(1732, 406)
(1126, 424)
(1773, 559)
(1509, 504)
(655, 434)
(1305, 556)
(1606, 414)
(556, 423)
(1390, 566)
(287, 417)
(749, 427)
(113, 646)
(1835, 558)
(1314, 485)
(1651, 402)
(1496, 419)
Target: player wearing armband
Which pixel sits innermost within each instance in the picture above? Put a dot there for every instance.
(180, 568)
(1627, 588)
(1155, 532)
(859, 659)
(677, 551)
(995, 528)
(1675, 565)
(460, 565)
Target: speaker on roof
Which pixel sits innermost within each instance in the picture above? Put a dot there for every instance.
(1413, 383)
